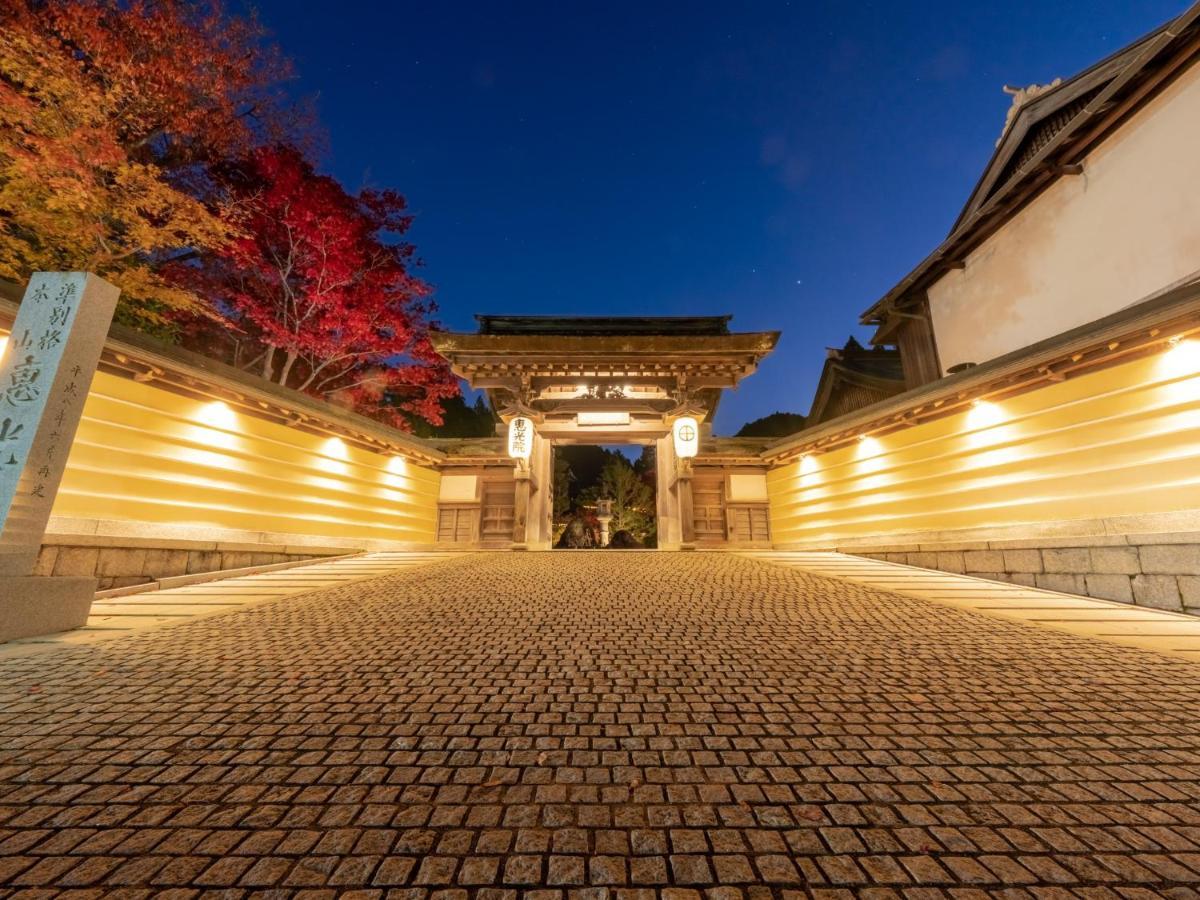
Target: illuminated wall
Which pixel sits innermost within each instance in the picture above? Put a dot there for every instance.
(144, 454)
(1121, 441)
(150, 462)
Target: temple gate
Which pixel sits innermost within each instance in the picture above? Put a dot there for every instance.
(596, 380)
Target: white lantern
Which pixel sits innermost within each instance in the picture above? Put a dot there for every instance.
(686, 432)
(520, 438)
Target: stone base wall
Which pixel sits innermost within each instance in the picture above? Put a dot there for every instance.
(1158, 570)
(124, 566)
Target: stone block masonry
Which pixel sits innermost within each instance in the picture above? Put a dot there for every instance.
(494, 727)
(123, 564)
(1155, 570)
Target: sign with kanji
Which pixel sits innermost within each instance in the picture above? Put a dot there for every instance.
(45, 374)
(520, 438)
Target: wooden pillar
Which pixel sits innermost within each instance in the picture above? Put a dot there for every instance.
(670, 534)
(521, 507)
(918, 349)
(687, 518)
(541, 498)
(533, 498)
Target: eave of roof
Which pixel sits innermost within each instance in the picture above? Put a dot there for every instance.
(836, 372)
(573, 345)
(603, 325)
(1036, 110)
(1033, 177)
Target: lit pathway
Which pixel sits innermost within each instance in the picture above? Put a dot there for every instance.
(1122, 623)
(600, 726)
(113, 617)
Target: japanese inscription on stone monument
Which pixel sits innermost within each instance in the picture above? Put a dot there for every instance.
(45, 374)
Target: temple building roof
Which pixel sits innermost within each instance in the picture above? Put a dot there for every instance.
(604, 325)
(569, 364)
(1049, 130)
(854, 377)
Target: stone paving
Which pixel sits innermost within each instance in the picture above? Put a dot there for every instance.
(582, 726)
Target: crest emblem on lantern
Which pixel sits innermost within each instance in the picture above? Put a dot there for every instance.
(686, 433)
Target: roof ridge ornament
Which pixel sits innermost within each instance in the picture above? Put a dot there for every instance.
(1021, 96)
(518, 408)
(686, 404)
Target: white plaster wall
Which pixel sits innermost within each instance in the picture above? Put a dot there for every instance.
(1090, 244)
(458, 488)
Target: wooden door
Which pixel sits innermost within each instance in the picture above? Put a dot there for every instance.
(708, 508)
(499, 503)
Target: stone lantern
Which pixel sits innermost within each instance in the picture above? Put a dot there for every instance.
(604, 515)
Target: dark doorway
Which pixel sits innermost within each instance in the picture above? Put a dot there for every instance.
(585, 476)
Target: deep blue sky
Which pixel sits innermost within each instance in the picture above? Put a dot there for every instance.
(784, 162)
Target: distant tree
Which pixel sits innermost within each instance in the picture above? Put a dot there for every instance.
(320, 280)
(110, 114)
(587, 461)
(458, 420)
(633, 500)
(646, 465)
(563, 478)
(777, 424)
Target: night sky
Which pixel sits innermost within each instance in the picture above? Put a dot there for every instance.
(784, 162)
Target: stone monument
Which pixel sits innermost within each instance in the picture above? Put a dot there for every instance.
(45, 374)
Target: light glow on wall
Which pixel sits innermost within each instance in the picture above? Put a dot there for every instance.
(215, 430)
(335, 448)
(1182, 357)
(1114, 441)
(809, 471)
(984, 414)
(985, 428)
(217, 415)
(395, 475)
(870, 459)
(3, 347)
(1179, 367)
(685, 431)
(868, 446)
(333, 456)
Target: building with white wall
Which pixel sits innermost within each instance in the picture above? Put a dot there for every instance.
(1089, 205)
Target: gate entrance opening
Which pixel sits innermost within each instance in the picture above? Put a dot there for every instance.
(604, 497)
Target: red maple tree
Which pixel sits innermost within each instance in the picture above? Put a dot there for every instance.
(189, 81)
(317, 292)
(110, 114)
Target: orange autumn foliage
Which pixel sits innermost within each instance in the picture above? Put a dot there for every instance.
(109, 116)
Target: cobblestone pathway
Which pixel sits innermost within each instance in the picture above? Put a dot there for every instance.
(577, 726)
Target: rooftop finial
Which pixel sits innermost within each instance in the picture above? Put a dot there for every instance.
(1021, 96)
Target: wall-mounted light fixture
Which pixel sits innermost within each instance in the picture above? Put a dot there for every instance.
(983, 414)
(868, 446)
(217, 414)
(1182, 357)
(336, 448)
(686, 434)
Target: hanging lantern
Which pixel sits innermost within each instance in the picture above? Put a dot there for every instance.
(520, 438)
(686, 432)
